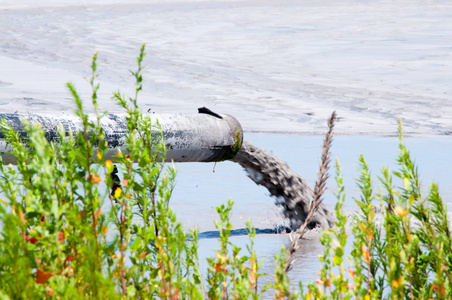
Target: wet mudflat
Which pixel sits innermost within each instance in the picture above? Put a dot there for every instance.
(201, 187)
(274, 65)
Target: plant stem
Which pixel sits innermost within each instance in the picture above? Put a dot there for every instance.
(320, 187)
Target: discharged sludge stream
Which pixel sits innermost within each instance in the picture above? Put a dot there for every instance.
(289, 188)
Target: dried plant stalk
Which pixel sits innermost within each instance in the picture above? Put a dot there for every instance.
(320, 187)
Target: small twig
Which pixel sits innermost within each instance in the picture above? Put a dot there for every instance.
(320, 187)
(154, 212)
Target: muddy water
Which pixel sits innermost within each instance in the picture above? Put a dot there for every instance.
(201, 187)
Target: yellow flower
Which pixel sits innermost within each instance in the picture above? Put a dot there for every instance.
(99, 155)
(396, 283)
(118, 192)
(400, 211)
(109, 165)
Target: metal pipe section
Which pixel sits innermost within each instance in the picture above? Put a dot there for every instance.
(202, 137)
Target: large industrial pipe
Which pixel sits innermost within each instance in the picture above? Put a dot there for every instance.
(202, 137)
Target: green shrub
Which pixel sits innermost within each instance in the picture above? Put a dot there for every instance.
(68, 231)
(407, 254)
(55, 217)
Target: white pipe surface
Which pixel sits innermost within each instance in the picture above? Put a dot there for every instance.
(202, 137)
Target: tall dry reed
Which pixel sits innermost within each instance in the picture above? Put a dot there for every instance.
(320, 187)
